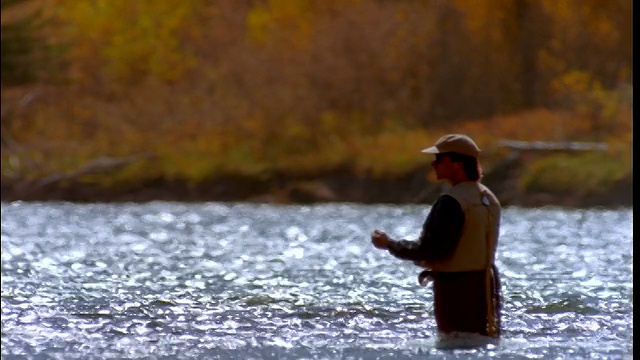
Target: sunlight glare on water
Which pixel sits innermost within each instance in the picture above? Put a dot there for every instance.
(217, 280)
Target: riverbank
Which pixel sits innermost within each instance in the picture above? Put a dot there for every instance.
(340, 185)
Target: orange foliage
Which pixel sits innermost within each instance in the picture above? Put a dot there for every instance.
(214, 86)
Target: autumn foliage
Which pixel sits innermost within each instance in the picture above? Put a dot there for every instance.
(213, 87)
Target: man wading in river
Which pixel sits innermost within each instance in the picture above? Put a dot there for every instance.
(458, 243)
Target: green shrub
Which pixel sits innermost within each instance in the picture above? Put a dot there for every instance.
(589, 173)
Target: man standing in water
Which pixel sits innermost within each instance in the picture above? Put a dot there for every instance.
(458, 243)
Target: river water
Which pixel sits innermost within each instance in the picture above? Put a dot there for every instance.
(168, 280)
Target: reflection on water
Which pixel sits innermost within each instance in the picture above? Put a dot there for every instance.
(213, 280)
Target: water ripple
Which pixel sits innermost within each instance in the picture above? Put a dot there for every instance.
(214, 280)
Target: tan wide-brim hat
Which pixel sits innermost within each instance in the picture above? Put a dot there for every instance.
(457, 143)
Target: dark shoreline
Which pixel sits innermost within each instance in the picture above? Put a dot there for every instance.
(334, 187)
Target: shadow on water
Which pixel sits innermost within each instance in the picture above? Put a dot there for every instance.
(464, 341)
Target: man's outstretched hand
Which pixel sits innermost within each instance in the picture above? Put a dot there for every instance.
(380, 240)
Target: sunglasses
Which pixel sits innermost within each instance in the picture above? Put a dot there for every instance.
(440, 157)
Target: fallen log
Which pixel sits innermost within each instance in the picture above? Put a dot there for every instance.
(552, 145)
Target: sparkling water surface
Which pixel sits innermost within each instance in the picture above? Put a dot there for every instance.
(169, 280)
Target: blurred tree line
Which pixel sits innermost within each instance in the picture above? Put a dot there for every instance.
(419, 62)
(265, 86)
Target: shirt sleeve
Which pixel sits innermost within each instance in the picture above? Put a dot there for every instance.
(440, 235)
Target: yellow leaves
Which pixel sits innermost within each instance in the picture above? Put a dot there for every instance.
(585, 96)
(586, 23)
(478, 18)
(490, 23)
(259, 21)
(391, 152)
(287, 21)
(574, 81)
(130, 39)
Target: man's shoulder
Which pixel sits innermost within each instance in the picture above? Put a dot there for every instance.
(447, 198)
(448, 202)
(487, 192)
(468, 192)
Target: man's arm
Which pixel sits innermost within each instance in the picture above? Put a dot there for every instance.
(440, 234)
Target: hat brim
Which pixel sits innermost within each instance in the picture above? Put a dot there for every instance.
(431, 150)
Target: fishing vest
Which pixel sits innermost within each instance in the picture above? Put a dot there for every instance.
(479, 240)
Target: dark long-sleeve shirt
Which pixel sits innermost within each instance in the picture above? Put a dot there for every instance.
(440, 235)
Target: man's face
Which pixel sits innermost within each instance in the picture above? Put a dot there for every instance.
(443, 166)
